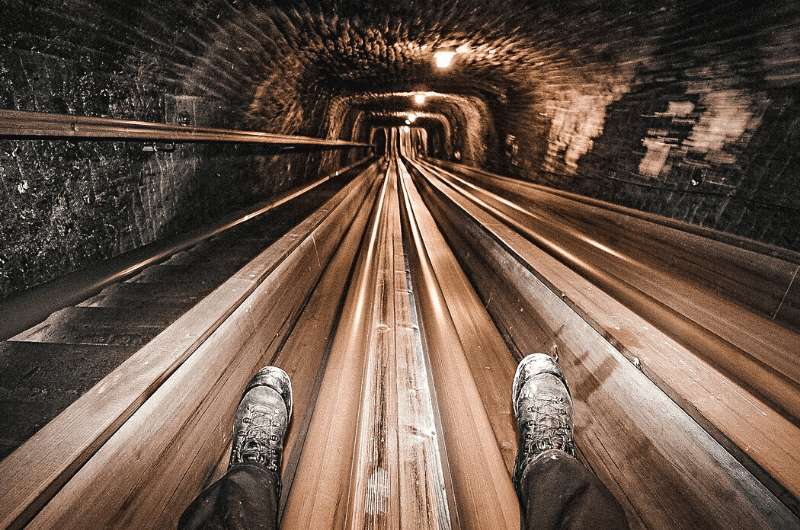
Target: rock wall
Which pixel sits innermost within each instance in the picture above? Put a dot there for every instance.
(684, 108)
(688, 110)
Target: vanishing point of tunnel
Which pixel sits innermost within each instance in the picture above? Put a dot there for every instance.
(396, 202)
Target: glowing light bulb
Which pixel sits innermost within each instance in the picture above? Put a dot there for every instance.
(443, 58)
(411, 118)
(419, 99)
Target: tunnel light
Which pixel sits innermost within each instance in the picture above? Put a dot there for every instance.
(411, 118)
(408, 122)
(443, 58)
(419, 99)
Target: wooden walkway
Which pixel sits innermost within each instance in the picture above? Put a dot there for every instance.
(400, 307)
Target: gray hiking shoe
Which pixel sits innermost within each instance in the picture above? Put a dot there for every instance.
(262, 419)
(543, 409)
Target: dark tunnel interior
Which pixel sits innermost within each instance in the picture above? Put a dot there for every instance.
(395, 201)
(680, 108)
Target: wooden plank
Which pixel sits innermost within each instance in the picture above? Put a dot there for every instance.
(22, 124)
(682, 226)
(424, 478)
(565, 305)
(621, 274)
(321, 489)
(484, 495)
(765, 367)
(755, 280)
(374, 500)
(176, 436)
(397, 479)
(40, 467)
(36, 304)
(491, 363)
(304, 356)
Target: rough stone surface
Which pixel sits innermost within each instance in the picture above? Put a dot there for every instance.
(684, 108)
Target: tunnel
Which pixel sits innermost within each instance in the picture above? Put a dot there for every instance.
(395, 202)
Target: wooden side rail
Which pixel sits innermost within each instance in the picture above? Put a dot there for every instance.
(759, 277)
(21, 124)
(498, 182)
(484, 495)
(115, 454)
(319, 498)
(757, 351)
(492, 364)
(36, 304)
(543, 305)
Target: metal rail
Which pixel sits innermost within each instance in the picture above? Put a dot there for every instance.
(20, 124)
(34, 305)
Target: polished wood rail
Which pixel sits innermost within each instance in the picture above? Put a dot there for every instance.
(400, 307)
(611, 355)
(54, 478)
(761, 277)
(34, 305)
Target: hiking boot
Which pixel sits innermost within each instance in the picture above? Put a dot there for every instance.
(262, 419)
(543, 409)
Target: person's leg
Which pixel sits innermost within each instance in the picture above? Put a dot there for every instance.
(555, 490)
(247, 496)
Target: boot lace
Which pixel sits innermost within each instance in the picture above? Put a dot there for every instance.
(259, 442)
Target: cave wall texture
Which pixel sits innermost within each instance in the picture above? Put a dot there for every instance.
(688, 109)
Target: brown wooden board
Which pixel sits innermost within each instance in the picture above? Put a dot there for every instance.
(397, 475)
(744, 243)
(491, 363)
(321, 488)
(666, 469)
(710, 272)
(304, 356)
(484, 495)
(758, 371)
(749, 346)
(424, 478)
(144, 403)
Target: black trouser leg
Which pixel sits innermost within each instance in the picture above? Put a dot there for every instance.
(559, 492)
(246, 497)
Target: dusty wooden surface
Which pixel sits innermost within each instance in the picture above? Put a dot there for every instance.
(628, 412)
(398, 309)
(643, 262)
(83, 431)
(484, 496)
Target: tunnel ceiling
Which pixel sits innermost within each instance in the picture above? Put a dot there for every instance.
(682, 108)
(272, 60)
